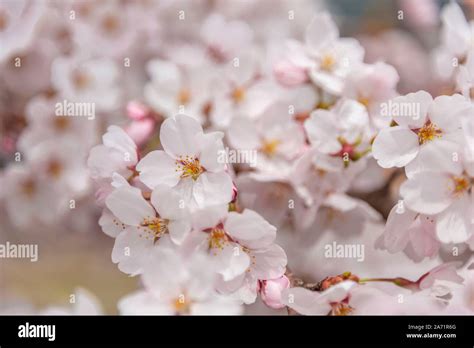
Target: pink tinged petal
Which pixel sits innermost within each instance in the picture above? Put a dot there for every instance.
(211, 151)
(455, 224)
(292, 141)
(141, 130)
(446, 112)
(137, 111)
(242, 134)
(341, 202)
(269, 263)
(271, 291)
(409, 110)
(232, 260)
(250, 227)
(327, 81)
(427, 192)
(178, 135)
(289, 74)
(169, 203)
(158, 168)
(104, 161)
(446, 271)
(131, 251)
(247, 293)
(396, 234)
(321, 32)
(423, 241)
(118, 181)
(213, 189)
(395, 147)
(322, 131)
(128, 204)
(117, 138)
(209, 217)
(305, 301)
(437, 155)
(304, 98)
(164, 273)
(179, 230)
(110, 225)
(456, 28)
(353, 116)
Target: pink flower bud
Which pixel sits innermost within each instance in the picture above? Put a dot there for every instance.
(270, 291)
(137, 110)
(141, 130)
(288, 74)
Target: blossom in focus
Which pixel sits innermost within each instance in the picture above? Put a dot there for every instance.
(189, 163)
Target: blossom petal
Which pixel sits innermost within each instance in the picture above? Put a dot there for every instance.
(269, 263)
(178, 135)
(321, 128)
(130, 251)
(395, 147)
(213, 189)
(158, 168)
(321, 32)
(250, 228)
(128, 204)
(427, 192)
(410, 110)
(455, 224)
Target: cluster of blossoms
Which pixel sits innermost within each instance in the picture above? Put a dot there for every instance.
(311, 115)
(233, 156)
(454, 59)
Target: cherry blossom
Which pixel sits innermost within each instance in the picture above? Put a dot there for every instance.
(243, 245)
(240, 142)
(189, 163)
(117, 154)
(328, 58)
(447, 194)
(174, 285)
(426, 134)
(173, 90)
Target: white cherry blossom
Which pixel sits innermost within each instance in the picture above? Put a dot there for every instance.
(426, 135)
(178, 286)
(189, 163)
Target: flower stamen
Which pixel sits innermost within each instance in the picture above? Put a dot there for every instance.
(190, 167)
(155, 226)
(428, 133)
(460, 185)
(269, 147)
(327, 62)
(218, 238)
